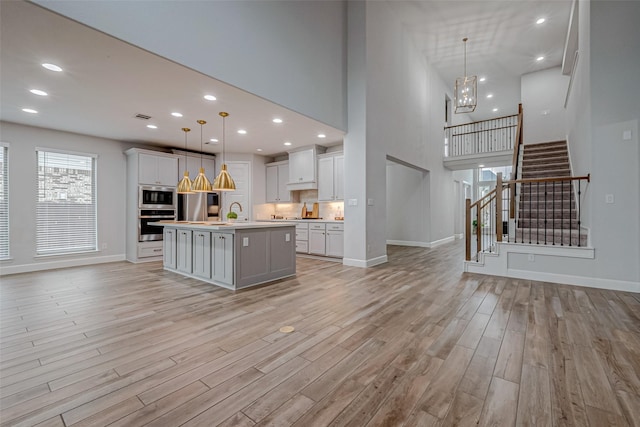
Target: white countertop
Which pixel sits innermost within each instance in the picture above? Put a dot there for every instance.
(217, 225)
(297, 221)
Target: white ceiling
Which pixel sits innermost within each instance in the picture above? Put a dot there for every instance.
(106, 82)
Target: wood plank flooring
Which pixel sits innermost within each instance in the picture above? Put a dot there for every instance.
(414, 342)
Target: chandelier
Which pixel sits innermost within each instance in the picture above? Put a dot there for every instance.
(466, 89)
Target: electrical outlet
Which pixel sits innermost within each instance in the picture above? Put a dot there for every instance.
(287, 237)
(608, 198)
(104, 246)
(245, 241)
(626, 135)
(531, 258)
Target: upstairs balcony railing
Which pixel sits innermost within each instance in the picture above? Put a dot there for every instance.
(484, 137)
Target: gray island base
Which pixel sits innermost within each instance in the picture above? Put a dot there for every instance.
(231, 255)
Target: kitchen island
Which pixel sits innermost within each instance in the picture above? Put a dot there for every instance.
(232, 255)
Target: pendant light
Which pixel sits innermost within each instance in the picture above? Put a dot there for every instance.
(223, 181)
(201, 184)
(466, 89)
(184, 186)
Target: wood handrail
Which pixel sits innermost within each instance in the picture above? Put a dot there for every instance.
(483, 130)
(549, 179)
(514, 163)
(482, 198)
(482, 121)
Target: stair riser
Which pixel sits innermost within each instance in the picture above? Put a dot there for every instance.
(552, 225)
(530, 238)
(538, 155)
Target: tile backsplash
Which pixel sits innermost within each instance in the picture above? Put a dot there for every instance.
(328, 210)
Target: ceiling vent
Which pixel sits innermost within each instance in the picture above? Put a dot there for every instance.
(142, 116)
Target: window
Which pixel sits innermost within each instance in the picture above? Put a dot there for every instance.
(4, 202)
(66, 204)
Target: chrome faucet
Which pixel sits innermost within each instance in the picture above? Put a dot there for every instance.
(235, 203)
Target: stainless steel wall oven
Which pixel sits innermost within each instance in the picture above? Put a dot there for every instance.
(155, 197)
(148, 232)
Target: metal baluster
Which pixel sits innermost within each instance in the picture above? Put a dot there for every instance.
(570, 218)
(530, 209)
(545, 212)
(537, 212)
(579, 211)
(553, 215)
(562, 213)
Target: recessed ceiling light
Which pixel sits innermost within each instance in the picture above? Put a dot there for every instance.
(539, 58)
(175, 114)
(52, 67)
(242, 131)
(276, 120)
(322, 135)
(489, 95)
(210, 97)
(30, 110)
(287, 143)
(152, 126)
(480, 166)
(38, 92)
(483, 79)
(215, 141)
(540, 21)
(494, 110)
(258, 149)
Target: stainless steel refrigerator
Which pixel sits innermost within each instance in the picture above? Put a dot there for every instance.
(199, 207)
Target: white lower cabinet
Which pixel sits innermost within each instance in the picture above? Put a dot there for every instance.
(302, 238)
(169, 248)
(202, 254)
(183, 251)
(222, 266)
(317, 244)
(334, 240)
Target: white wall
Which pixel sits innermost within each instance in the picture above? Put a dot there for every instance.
(542, 96)
(290, 52)
(111, 180)
(407, 196)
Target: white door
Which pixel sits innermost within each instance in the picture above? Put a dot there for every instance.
(241, 174)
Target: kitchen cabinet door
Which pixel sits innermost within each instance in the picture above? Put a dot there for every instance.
(335, 243)
(277, 178)
(157, 170)
(302, 167)
(317, 242)
(222, 265)
(338, 177)
(184, 251)
(169, 248)
(325, 179)
(202, 254)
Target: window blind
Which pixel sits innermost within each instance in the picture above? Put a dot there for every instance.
(4, 202)
(66, 205)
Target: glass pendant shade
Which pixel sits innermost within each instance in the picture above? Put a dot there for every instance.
(201, 184)
(466, 89)
(184, 186)
(223, 181)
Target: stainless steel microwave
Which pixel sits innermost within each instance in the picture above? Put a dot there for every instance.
(155, 197)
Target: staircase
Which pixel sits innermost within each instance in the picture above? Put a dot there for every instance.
(547, 211)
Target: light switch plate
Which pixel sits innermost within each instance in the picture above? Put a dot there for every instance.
(626, 135)
(369, 202)
(287, 237)
(608, 198)
(353, 202)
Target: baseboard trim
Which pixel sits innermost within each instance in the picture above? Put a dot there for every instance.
(408, 243)
(442, 241)
(589, 282)
(364, 263)
(421, 244)
(51, 265)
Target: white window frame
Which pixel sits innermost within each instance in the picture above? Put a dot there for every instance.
(49, 248)
(5, 241)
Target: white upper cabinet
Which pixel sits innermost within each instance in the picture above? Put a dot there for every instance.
(157, 169)
(277, 179)
(302, 168)
(331, 177)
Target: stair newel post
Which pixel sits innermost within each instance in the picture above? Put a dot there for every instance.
(499, 208)
(479, 228)
(467, 230)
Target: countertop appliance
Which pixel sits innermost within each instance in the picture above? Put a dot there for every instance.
(199, 207)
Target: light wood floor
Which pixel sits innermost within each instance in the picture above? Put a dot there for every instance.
(413, 342)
